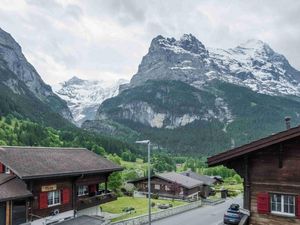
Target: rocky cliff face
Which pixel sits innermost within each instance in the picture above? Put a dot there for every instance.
(169, 59)
(187, 97)
(253, 64)
(12, 58)
(84, 97)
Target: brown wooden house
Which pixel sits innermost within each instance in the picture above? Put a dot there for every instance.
(170, 185)
(45, 185)
(271, 171)
(207, 182)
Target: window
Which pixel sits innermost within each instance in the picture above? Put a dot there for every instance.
(7, 170)
(157, 187)
(53, 198)
(283, 204)
(83, 190)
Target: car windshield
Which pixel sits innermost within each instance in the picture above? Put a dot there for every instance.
(235, 207)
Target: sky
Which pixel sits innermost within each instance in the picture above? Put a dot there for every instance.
(106, 39)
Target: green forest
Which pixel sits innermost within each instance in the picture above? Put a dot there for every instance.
(16, 132)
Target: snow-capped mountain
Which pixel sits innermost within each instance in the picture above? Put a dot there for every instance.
(85, 96)
(190, 98)
(253, 64)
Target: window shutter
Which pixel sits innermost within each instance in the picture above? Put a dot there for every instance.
(263, 203)
(298, 206)
(66, 196)
(92, 188)
(1, 168)
(43, 200)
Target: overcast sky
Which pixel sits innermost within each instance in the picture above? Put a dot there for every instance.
(96, 39)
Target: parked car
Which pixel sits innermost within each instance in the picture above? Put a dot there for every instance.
(233, 215)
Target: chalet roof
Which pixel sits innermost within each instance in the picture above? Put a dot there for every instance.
(173, 177)
(38, 162)
(11, 187)
(205, 179)
(254, 146)
(180, 179)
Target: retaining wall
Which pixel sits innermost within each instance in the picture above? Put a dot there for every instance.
(159, 215)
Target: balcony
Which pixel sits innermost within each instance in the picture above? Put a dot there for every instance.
(84, 202)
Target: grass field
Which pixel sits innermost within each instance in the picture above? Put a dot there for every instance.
(139, 204)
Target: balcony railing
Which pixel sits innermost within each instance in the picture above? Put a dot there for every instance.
(84, 202)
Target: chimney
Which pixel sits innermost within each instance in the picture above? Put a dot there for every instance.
(287, 122)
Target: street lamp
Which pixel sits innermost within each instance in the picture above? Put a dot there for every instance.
(147, 142)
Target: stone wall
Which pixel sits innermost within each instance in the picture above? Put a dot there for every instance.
(159, 215)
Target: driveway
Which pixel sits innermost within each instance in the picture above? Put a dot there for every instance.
(206, 215)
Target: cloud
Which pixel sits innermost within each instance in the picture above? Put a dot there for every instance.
(100, 39)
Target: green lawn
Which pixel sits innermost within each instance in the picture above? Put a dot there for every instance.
(140, 205)
(139, 164)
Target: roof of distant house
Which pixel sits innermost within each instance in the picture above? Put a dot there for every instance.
(38, 162)
(11, 187)
(205, 179)
(178, 178)
(174, 177)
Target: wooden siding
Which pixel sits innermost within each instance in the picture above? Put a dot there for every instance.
(71, 183)
(142, 186)
(272, 169)
(36, 185)
(263, 219)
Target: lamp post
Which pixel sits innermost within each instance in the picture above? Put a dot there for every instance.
(147, 142)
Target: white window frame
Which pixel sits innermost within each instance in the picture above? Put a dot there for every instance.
(82, 189)
(157, 186)
(51, 194)
(7, 170)
(282, 203)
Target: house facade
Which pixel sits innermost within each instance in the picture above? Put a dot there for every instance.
(207, 181)
(46, 185)
(171, 185)
(271, 171)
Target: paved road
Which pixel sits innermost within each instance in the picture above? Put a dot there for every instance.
(206, 215)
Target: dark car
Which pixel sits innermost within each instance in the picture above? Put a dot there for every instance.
(233, 215)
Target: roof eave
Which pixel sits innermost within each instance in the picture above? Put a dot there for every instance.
(253, 146)
(71, 174)
(15, 198)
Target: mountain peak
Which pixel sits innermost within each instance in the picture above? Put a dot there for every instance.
(187, 42)
(74, 80)
(190, 43)
(256, 45)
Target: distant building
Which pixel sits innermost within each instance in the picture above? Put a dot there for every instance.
(171, 185)
(44, 185)
(271, 171)
(207, 181)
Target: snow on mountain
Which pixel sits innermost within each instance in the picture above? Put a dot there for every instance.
(85, 96)
(256, 65)
(253, 64)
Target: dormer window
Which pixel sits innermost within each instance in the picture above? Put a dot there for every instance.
(7, 170)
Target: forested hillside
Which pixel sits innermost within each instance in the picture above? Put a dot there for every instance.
(26, 133)
(189, 121)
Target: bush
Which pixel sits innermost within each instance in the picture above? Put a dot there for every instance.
(155, 196)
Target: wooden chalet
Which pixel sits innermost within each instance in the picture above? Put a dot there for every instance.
(44, 185)
(207, 181)
(170, 185)
(271, 171)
